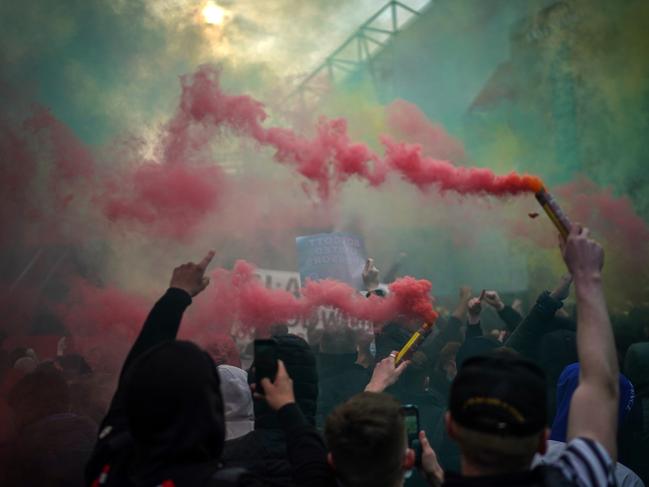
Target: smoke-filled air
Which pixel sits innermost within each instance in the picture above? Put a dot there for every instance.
(136, 136)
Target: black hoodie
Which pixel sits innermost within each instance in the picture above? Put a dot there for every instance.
(266, 451)
(166, 419)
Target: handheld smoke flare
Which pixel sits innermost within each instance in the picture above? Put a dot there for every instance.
(413, 344)
(554, 211)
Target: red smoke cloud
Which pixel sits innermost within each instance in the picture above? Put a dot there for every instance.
(94, 314)
(72, 160)
(613, 216)
(625, 236)
(90, 310)
(173, 194)
(330, 157)
(17, 172)
(238, 295)
(48, 173)
(409, 123)
(172, 200)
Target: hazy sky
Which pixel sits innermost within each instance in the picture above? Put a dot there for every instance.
(104, 65)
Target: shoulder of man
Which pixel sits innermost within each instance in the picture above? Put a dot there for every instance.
(585, 463)
(552, 476)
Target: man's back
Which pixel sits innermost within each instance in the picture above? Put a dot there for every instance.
(624, 476)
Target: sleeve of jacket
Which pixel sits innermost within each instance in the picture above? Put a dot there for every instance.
(305, 449)
(510, 317)
(526, 336)
(161, 325)
(473, 331)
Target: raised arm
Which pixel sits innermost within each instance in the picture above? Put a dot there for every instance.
(593, 410)
(507, 314)
(163, 321)
(161, 325)
(474, 309)
(525, 337)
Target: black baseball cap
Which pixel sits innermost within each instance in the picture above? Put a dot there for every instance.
(499, 393)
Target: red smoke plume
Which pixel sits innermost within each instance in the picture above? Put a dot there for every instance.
(409, 123)
(238, 295)
(330, 157)
(170, 199)
(90, 310)
(425, 171)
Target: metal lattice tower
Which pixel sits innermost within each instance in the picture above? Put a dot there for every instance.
(357, 52)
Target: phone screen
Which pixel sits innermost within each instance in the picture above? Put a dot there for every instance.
(265, 361)
(411, 418)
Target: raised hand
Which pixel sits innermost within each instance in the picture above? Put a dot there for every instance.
(278, 393)
(475, 308)
(386, 373)
(370, 275)
(191, 277)
(465, 294)
(460, 310)
(583, 256)
(492, 298)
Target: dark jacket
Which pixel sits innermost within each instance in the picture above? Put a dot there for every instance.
(446, 330)
(510, 317)
(340, 378)
(300, 364)
(266, 451)
(166, 419)
(539, 321)
(475, 343)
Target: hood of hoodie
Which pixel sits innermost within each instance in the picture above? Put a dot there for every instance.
(300, 364)
(174, 408)
(568, 382)
(237, 401)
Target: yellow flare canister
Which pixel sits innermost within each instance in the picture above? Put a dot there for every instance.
(554, 211)
(411, 345)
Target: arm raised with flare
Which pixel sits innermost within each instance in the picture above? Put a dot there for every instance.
(594, 405)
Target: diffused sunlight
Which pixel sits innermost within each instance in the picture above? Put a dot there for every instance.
(214, 14)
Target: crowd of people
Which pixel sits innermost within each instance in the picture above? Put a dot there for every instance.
(543, 397)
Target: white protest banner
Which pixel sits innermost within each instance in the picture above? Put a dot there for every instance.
(339, 256)
(324, 317)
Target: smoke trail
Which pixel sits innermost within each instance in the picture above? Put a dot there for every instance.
(90, 310)
(238, 296)
(95, 314)
(330, 157)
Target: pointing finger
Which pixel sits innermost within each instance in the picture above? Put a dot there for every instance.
(206, 260)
